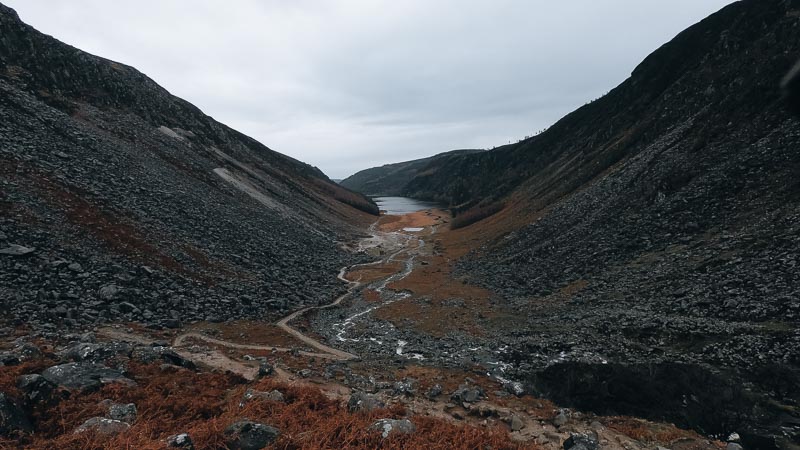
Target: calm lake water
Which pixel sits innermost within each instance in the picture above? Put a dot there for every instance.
(402, 205)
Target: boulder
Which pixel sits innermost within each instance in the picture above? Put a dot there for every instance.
(125, 412)
(265, 369)
(171, 357)
(84, 376)
(515, 388)
(466, 394)
(252, 394)
(87, 351)
(389, 426)
(36, 388)
(27, 351)
(516, 423)
(108, 292)
(16, 250)
(12, 418)
(247, 435)
(561, 418)
(435, 391)
(580, 441)
(405, 387)
(103, 425)
(181, 440)
(361, 401)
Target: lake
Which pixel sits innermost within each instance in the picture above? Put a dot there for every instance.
(402, 205)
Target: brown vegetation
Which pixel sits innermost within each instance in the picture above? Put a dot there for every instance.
(425, 218)
(645, 431)
(251, 332)
(476, 214)
(204, 404)
(371, 295)
(373, 273)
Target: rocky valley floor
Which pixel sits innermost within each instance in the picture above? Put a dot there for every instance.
(407, 357)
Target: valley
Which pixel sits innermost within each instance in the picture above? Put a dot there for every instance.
(374, 347)
(627, 278)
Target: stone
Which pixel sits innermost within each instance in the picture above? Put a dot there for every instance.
(171, 357)
(75, 267)
(87, 351)
(27, 351)
(103, 425)
(516, 423)
(16, 250)
(361, 401)
(435, 391)
(733, 446)
(83, 376)
(404, 387)
(8, 359)
(265, 369)
(578, 441)
(514, 388)
(182, 440)
(465, 394)
(36, 388)
(108, 292)
(389, 426)
(561, 418)
(125, 412)
(13, 420)
(247, 435)
(273, 396)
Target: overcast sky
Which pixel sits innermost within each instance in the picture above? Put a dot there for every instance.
(346, 85)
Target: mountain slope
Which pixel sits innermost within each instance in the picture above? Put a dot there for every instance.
(139, 207)
(657, 225)
(390, 180)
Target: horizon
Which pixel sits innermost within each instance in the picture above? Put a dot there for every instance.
(348, 85)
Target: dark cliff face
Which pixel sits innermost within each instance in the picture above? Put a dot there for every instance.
(391, 179)
(139, 207)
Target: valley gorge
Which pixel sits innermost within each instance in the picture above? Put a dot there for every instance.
(626, 279)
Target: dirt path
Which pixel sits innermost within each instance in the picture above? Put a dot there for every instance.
(216, 359)
(353, 285)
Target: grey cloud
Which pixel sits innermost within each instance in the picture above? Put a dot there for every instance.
(347, 84)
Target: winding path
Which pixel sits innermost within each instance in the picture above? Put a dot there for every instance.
(353, 285)
(323, 351)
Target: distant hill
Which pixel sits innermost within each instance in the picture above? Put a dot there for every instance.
(391, 179)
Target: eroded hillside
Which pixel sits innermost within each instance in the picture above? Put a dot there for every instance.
(649, 236)
(121, 202)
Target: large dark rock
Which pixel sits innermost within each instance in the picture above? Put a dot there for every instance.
(171, 357)
(247, 435)
(36, 388)
(12, 418)
(125, 412)
(581, 442)
(96, 352)
(83, 376)
(467, 394)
